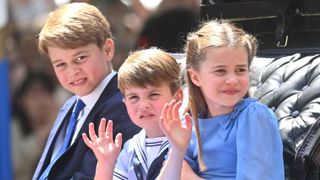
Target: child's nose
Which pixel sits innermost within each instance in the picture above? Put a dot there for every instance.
(231, 79)
(145, 104)
(74, 69)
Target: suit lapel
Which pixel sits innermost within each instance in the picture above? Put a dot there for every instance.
(57, 126)
(109, 91)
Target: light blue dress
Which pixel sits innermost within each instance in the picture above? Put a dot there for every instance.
(244, 144)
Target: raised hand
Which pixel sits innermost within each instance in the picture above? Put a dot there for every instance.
(105, 149)
(178, 134)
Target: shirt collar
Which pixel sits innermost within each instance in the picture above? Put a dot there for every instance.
(93, 97)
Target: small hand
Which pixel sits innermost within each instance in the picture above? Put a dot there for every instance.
(105, 150)
(171, 125)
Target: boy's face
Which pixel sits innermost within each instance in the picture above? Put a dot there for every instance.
(144, 106)
(80, 70)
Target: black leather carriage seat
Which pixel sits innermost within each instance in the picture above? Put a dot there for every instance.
(290, 86)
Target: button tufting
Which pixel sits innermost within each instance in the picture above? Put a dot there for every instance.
(304, 87)
(295, 114)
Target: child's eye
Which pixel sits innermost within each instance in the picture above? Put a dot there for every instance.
(80, 59)
(154, 95)
(220, 71)
(60, 65)
(241, 70)
(133, 99)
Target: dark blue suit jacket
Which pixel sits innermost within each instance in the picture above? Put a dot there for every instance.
(79, 161)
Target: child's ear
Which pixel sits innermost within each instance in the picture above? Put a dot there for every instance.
(194, 77)
(108, 48)
(178, 95)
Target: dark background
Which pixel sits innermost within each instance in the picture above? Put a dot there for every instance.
(281, 26)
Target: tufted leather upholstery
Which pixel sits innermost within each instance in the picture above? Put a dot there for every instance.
(290, 86)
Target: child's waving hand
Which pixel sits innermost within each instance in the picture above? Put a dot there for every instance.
(105, 149)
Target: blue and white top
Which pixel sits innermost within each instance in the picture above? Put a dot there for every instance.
(137, 156)
(243, 144)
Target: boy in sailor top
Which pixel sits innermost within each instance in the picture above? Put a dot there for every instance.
(148, 79)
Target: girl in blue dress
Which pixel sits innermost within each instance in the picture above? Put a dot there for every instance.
(233, 136)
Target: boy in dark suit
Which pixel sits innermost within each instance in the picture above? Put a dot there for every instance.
(77, 39)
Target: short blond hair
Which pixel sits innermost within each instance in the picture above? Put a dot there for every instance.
(149, 67)
(74, 25)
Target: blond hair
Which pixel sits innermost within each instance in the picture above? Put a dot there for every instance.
(211, 34)
(74, 25)
(149, 67)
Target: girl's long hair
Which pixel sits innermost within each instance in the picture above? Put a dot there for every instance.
(211, 34)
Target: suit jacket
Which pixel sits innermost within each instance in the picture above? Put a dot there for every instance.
(79, 161)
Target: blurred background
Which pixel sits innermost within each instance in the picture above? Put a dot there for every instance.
(30, 95)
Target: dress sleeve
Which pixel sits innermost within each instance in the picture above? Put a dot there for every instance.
(259, 145)
(191, 156)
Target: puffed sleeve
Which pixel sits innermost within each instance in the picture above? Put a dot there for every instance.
(192, 154)
(121, 169)
(259, 145)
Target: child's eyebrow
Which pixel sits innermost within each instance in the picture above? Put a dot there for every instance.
(242, 65)
(219, 66)
(223, 66)
(155, 90)
(129, 94)
(55, 61)
(80, 52)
